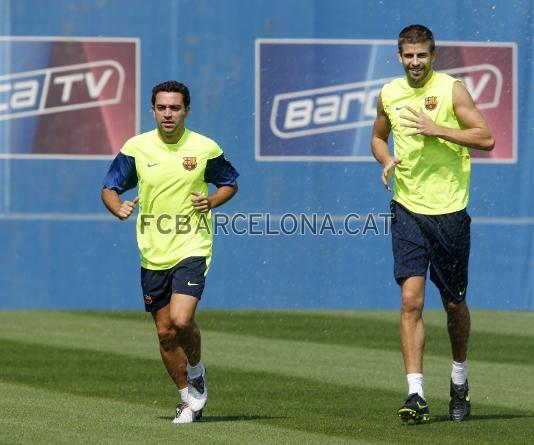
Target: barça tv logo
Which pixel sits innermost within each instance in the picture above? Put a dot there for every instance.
(316, 99)
(67, 95)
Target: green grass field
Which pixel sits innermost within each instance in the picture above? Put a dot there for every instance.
(276, 377)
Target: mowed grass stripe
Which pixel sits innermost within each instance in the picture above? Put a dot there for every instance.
(491, 321)
(316, 410)
(510, 334)
(371, 333)
(136, 337)
(39, 416)
(137, 333)
(492, 383)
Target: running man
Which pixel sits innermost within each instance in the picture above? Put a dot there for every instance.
(172, 166)
(434, 123)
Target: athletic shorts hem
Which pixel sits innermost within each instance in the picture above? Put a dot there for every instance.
(399, 279)
(155, 307)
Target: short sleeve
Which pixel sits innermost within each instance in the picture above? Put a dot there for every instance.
(122, 175)
(220, 172)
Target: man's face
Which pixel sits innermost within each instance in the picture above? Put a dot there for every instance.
(170, 113)
(417, 60)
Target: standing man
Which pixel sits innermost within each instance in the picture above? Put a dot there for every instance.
(434, 121)
(172, 167)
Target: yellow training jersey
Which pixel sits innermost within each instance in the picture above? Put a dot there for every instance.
(169, 229)
(433, 177)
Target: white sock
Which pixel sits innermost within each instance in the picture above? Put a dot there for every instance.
(184, 394)
(415, 383)
(195, 371)
(459, 372)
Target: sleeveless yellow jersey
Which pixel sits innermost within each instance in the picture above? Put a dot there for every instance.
(169, 229)
(433, 177)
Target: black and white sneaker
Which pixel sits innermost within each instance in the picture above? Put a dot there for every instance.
(184, 414)
(460, 405)
(415, 410)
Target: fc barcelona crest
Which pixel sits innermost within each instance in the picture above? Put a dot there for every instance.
(190, 163)
(431, 102)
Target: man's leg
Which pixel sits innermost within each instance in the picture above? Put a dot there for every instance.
(175, 361)
(412, 329)
(412, 336)
(458, 325)
(449, 259)
(171, 352)
(410, 268)
(182, 313)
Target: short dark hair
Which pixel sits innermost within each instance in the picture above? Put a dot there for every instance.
(171, 86)
(416, 34)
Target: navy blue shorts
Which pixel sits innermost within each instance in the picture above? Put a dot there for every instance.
(439, 241)
(187, 277)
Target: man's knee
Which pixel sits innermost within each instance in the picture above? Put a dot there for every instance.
(452, 307)
(412, 301)
(181, 323)
(166, 336)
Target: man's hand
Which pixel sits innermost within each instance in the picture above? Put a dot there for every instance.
(200, 202)
(387, 171)
(421, 122)
(127, 208)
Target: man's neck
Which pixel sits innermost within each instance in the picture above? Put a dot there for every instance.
(423, 81)
(172, 138)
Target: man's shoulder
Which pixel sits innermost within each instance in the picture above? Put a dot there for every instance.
(393, 91)
(142, 138)
(138, 143)
(446, 78)
(394, 86)
(204, 143)
(199, 138)
(395, 83)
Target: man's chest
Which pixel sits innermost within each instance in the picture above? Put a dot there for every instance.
(163, 168)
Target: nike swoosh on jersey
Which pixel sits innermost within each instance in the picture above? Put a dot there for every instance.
(192, 284)
(152, 165)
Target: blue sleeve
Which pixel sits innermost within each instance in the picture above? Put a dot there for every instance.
(220, 172)
(121, 175)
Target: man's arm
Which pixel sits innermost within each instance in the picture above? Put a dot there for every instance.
(205, 203)
(379, 143)
(121, 209)
(121, 176)
(475, 132)
(224, 176)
